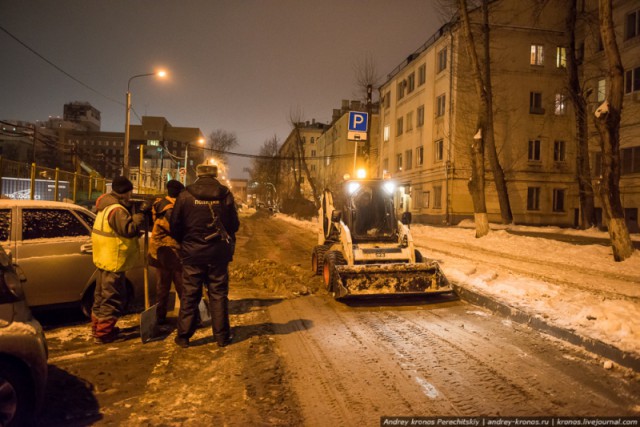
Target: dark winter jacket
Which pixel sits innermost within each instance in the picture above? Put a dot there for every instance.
(192, 222)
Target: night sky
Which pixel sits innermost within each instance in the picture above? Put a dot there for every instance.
(241, 66)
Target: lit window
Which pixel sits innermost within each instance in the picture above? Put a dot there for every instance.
(537, 54)
(561, 57)
(398, 162)
(386, 133)
(561, 104)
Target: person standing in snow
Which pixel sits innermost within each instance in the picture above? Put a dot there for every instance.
(163, 250)
(115, 250)
(204, 222)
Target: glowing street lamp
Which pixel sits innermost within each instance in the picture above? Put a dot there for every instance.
(125, 166)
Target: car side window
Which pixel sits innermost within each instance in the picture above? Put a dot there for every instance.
(51, 223)
(89, 219)
(5, 224)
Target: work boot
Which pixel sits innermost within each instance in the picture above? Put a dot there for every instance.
(181, 342)
(112, 337)
(224, 341)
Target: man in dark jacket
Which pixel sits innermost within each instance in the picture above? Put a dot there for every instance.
(204, 222)
(115, 250)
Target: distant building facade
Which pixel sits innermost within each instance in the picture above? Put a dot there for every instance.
(428, 118)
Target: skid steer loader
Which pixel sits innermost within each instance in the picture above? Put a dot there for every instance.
(364, 250)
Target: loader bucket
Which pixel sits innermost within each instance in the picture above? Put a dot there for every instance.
(387, 279)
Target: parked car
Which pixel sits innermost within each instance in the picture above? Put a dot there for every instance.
(23, 352)
(51, 242)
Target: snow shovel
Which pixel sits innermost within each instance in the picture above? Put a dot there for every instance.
(149, 317)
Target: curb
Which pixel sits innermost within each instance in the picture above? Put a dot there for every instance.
(622, 358)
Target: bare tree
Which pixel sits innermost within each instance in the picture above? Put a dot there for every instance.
(367, 77)
(265, 169)
(608, 125)
(221, 141)
(477, 183)
(578, 99)
(296, 122)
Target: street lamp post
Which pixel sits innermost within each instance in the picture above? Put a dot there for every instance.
(125, 166)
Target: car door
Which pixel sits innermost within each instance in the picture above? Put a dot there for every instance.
(54, 251)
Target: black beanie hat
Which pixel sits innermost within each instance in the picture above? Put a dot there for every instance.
(174, 188)
(121, 185)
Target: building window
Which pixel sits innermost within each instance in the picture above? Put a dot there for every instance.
(408, 159)
(442, 59)
(535, 103)
(313, 140)
(534, 150)
(559, 154)
(440, 105)
(537, 54)
(313, 168)
(420, 116)
(420, 156)
(422, 74)
(632, 80)
(411, 82)
(558, 200)
(602, 90)
(398, 162)
(400, 126)
(385, 165)
(561, 57)
(426, 196)
(437, 197)
(561, 104)
(401, 86)
(409, 121)
(630, 160)
(386, 133)
(632, 25)
(387, 100)
(438, 150)
(313, 153)
(533, 198)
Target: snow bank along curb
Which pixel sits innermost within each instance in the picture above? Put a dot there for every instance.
(627, 359)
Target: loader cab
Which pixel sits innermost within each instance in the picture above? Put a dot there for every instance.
(368, 210)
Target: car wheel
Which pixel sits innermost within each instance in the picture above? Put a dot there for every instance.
(16, 395)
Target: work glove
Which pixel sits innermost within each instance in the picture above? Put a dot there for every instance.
(138, 220)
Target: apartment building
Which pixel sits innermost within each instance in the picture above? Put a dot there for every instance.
(429, 111)
(302, 141)
(337, 155)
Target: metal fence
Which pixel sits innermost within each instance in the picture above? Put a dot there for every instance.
(30, 181)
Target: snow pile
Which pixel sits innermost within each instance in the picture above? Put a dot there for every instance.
(578, 287)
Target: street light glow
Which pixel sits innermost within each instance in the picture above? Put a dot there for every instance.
(161, 73)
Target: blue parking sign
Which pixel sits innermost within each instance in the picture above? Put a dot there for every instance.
(358, 121)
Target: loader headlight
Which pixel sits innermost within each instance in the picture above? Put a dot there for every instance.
(389, 187)
(352, 187)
